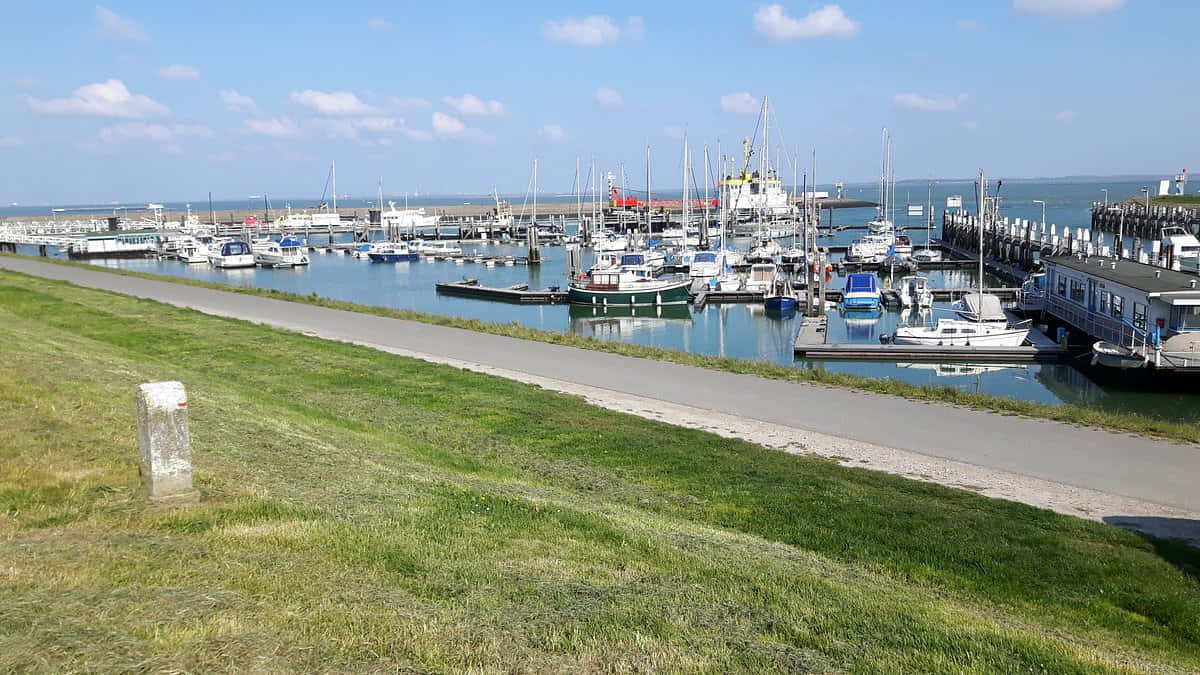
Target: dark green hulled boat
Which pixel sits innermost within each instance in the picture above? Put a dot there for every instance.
(628, 287)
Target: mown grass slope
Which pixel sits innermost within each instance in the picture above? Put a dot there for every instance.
(368, 512)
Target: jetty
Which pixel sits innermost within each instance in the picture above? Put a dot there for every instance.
(517, 293)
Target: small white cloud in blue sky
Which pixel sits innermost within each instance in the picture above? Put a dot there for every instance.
(447, 126)
(592, 31)
(178, 71)
(1066, 8)
(472, 106)
(333, 103)
(237, 102)
(773, 21)
(938, 103)
(740, 103)
(554, 132)
(607, 96)
(115, 25)
(276, 127)
(106, 99)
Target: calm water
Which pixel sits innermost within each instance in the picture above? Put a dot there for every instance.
(738, 330)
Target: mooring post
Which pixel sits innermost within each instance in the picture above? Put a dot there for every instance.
(166, 451)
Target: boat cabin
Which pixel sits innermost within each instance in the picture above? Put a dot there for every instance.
(1131, 304)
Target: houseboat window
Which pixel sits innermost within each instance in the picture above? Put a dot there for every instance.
(1062, 286)
(1076, 290)
(1104, 302)
(1118, 306)
(1139, 316)
(1186, 318)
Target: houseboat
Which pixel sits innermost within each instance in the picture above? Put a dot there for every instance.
(1133, 310)
(115, 245)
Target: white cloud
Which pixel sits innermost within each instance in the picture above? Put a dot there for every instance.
(11, 141)
(1066, 116)
(608, 97)
(469, 105)
(827, 21)
(673, 132)
(275, 127)
(107, 99)
(117, 26)
(554, 132)
(967, 25)
(592, 31)
(333, 103)
(741, 103)
(237, 102)
(937, 103)
(416, 134)
(1066, 8)
(159, 133)
(178, 71)
(446, 126)
(381, 25)
(409, 102)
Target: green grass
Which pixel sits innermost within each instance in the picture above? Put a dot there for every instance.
(362, 511)
(1072, 414)
(1178, 200)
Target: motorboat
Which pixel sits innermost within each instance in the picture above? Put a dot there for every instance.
(609, 241)
(861, 292)
(927, 255)
(392, 252)
(705, 264)
(914, 291)
(436, 248)
(287, 252)
(653, 258)
(880, 226)
(961, 333)
(870, 248)
(231, 255)
(1115, 356)
(1032, 298)
(902, 246)
(762, 278)
(781, 299)
(728, 282)
(793, 256)
(629, 286)
(1180, 250)
(764, 252)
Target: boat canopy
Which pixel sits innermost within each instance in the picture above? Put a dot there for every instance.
(705, 257)
(235, 248)
(986, 307)
(289, 242)
(861, 282)
(633, 259)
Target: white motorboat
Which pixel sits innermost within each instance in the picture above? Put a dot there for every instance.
(960, 333)
(880, 225)
(729, 281)
(706, 264)
(436, 248)
(231, 255)
(792, 256)
(1032, 298)
(1180, 250)
(287, 252)
(870, 248)
(927, 255)
(914, 291)
(605, 242)
(762, 277)
(395, 221)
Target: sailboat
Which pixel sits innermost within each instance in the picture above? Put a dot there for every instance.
(927, 254)
(985, 327)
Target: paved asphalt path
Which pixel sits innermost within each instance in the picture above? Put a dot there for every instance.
(1130, 466)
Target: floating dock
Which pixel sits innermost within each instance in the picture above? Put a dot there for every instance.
(517, 293)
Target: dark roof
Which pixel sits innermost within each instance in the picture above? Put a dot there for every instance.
(1128, 273)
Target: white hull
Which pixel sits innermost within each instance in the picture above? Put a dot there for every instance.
(232, 261)
(983, 335)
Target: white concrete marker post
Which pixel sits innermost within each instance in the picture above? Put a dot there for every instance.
(166, 449)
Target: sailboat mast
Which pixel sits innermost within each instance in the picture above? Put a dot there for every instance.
(762, 170)
(335, 186)
(649, 224)
(704, 232)
(578, 197)
(686, 212)
(982, 218)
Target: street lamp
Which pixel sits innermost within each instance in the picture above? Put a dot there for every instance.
(1043, 203)
(1146, 191)
(1105, 191)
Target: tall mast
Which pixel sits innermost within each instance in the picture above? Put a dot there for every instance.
(762, 170)
(704, 232)
(982, 217)
(578, 198)
(686, 211)
(335, 186)
(595, 188)
(883, 176)
(649, 224)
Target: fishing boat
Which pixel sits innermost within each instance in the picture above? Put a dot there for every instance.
(1115, 356)
(861, 292)
(755, 194)
(392, 252)
(231, 255)
(781, 299)
(287, 252)
(914, 291)
(762, 278)
(630, 287)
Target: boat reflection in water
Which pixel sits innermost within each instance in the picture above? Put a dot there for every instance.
(615, 322)
(862, 325)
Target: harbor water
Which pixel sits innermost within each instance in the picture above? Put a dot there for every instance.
(742, 331)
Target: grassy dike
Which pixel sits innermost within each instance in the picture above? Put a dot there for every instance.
(1071, 414)
(369, 512)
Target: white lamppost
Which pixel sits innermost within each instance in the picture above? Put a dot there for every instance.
(1043, 203)
(1105, 191)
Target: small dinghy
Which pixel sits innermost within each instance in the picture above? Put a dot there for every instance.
(1115, 356)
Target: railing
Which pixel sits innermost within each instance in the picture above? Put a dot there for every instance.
(1109, 329)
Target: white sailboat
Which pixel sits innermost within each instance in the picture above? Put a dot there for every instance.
(978, 332)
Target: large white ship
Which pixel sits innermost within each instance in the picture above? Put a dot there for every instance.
(756, 194)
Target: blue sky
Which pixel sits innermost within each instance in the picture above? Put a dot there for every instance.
(166, 101)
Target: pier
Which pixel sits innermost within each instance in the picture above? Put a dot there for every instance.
(517, 293)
